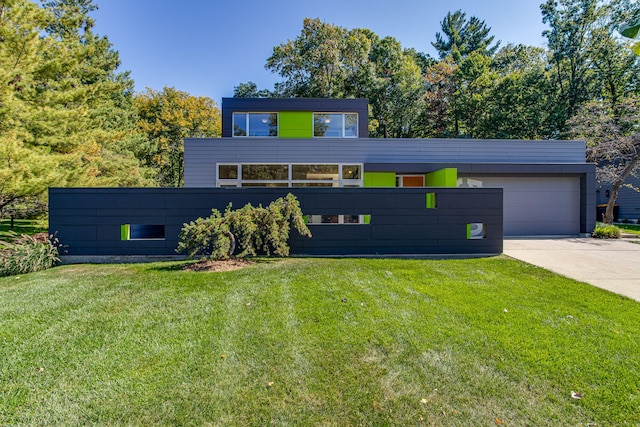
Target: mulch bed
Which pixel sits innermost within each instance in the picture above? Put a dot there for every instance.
(216, 266)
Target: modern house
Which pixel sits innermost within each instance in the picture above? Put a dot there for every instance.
(360, 195)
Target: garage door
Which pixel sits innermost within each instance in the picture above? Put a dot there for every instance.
(537, 206)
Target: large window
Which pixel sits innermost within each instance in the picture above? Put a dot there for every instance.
(335, 125)
(289, 175)
(255, 124)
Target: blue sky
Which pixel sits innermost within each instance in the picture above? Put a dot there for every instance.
(208, 47)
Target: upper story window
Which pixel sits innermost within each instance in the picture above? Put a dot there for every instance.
(255, 124)
(335, 125)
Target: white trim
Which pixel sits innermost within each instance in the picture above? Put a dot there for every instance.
(342, 131)
(340, 182)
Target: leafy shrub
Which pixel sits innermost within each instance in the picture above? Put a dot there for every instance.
(250, 229)
(603, 231)
(26, 254)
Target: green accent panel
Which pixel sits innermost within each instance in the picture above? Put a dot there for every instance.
(379, 179)
(295, 124)
(367, 219)
(305, 219)
(431, 200)
(468, 231)
(125, 232)
(447, 177)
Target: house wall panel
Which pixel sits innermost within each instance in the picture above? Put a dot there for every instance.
(399, 218)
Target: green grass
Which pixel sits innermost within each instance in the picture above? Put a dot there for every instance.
(22, 226)
(325, 342)
(629, 228)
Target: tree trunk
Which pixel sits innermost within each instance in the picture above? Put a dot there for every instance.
(232, 244)
(615, 188)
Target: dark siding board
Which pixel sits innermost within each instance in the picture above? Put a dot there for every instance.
(628, 200)
(392, 225)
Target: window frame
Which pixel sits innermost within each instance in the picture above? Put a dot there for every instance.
(247, 127)
(290, 182)
(344, 124)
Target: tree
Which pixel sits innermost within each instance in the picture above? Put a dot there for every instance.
(397, 90)
(167, 117)
(25, 170)
(519, 99)
(311, 63)
(65, 112)
(613, 142)
(631, 31)
(460, 37)
(330, 61)
(437, 119)
(250, 229)
(570, 23)
(250, 90)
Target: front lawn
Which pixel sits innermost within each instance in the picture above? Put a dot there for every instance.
(629, 228)
(325, 342)
(21, 226)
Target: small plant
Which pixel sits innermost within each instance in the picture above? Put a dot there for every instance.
(604, 231)
(250, 229)
(21, 254)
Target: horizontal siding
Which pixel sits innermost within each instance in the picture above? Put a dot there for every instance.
(202, 154)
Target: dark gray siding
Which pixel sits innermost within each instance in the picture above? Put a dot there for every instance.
(628, 200)
(87, 221)
(274, 105)
(201, 155)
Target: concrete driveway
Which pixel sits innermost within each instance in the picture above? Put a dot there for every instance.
(609, 264)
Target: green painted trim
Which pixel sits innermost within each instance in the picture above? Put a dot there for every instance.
(431, 200)
(367, 219)
(125, 232)
(379, 179)
(468, 231)
(295, 124)
(447, 177)
(305, 219)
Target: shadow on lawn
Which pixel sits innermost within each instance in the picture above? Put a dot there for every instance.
(211, 265)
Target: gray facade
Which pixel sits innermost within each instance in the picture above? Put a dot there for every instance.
(89, 221)
(501, 162)
(201, 155)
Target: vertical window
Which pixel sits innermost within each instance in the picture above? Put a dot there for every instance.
(351, 125)
(255, 124)
(335, 125)
(351, 172)
(228, 172)
(240, 124)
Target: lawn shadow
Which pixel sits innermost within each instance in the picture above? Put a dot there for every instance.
(184, 265)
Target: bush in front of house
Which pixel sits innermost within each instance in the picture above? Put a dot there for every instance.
(250, 230)
(26, 254)
(605, 231)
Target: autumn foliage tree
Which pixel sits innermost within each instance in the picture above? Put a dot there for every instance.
(167, 117)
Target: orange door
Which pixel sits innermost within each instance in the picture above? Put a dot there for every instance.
(413, 181)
